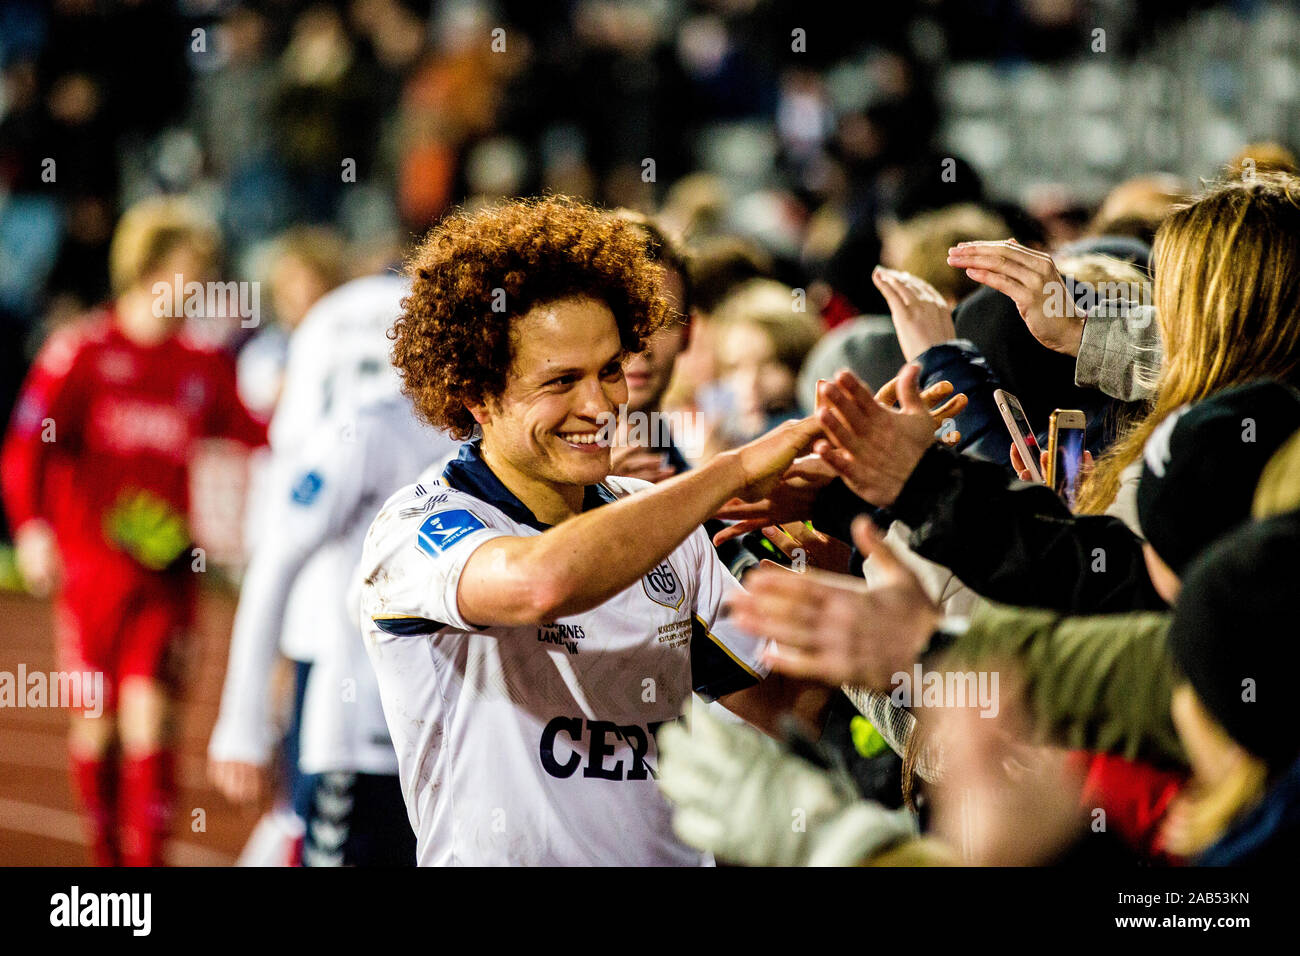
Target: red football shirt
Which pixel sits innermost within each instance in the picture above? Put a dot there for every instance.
(103, 421)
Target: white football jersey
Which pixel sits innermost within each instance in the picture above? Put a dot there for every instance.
(339, 356)
(324, 504)
(338, 361)
(535, 745)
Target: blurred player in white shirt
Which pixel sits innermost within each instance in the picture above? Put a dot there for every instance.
(344, 473)
(338, 362)
(532, 620)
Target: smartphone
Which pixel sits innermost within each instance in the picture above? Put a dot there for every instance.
(1065, 453)
(1021, 434)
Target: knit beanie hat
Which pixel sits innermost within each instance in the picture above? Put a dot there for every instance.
(1233, 635)
(1202, 463)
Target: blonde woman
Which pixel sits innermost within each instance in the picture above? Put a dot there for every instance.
(1227, 297)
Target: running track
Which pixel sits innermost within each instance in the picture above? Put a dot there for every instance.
(39, 823)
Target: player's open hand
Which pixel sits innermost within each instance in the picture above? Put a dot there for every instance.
(790, 500)
(1030, 278)
(763, 461)
(834, 628)
(873, 448)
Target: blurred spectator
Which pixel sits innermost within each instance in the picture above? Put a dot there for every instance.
(306, 263)
(920, 245)
(1137, 206)
(1262, 158)
(762, 338)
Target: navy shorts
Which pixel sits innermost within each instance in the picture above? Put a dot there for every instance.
(357, 819)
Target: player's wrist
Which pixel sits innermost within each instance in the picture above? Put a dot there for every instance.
(727, 474)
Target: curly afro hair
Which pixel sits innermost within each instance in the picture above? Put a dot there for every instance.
(476, 272)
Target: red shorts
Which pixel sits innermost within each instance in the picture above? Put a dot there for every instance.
(124, 623)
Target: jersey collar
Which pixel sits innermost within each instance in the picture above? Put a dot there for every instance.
(468, 472)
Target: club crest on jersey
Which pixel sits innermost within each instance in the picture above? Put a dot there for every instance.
(663, 586)
(307, 488)
(439, 532)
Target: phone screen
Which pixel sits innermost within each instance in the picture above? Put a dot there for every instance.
(1068, 467)
(1022, 424)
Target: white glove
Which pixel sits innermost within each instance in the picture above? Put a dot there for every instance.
(744, 798)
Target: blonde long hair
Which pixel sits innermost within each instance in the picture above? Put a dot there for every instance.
(1227, 295)
(1202, 813)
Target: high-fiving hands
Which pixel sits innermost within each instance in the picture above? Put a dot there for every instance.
(765, 460)
(875, 448)
(791, 499)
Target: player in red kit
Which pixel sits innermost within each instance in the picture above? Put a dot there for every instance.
(96, 483)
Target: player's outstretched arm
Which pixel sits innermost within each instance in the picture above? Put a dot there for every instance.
(589, 558)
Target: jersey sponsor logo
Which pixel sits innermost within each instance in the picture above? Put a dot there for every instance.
(676, 634)
(663, 586)
(439, 532)
(131, 426)
(565, 635)
(568, 733)
(308, 488)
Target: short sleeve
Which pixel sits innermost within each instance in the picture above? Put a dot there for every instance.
(724, 659)
(415, 555)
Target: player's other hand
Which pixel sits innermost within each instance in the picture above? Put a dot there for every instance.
(238, 782)
(763, 461)
(37, 554)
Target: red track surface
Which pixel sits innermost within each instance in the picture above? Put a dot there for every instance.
(39, 822)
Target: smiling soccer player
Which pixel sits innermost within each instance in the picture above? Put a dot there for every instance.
(531, 619)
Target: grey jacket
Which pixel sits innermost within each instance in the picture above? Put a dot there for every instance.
(1120, 352)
